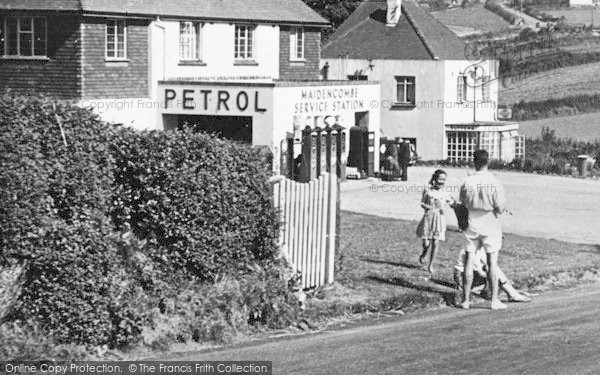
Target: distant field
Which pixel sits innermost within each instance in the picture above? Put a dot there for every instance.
(573, 16)
(475, 19)
(556, 83)
(584, 127)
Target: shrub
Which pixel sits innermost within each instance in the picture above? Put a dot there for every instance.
(111, 223)
(54, 218)
(202, 203)
(27, 342)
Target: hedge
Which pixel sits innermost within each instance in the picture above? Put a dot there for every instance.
(567, 106)
(499, 10)
(109, 222)
(204, 212)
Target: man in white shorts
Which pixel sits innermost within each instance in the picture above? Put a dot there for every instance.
(483, 196)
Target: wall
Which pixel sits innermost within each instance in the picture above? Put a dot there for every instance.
(474, 109)
(58, 75)
(218, 53)
(225, 99)
(115, 80)
(300, 70)
(311, 105)
(424, 121)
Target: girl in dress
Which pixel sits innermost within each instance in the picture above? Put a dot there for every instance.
(432, 227)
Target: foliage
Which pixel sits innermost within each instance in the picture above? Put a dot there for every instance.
(27, 342)
(499, 10)
(336, 11)
(108, 223)
(549, 154)
(204, 213)
(54, 219)
(571, 105)
(435, 5)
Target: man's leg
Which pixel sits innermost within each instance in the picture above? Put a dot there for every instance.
(404, 171)
(467, 280)
(492, 264)
(505, 284)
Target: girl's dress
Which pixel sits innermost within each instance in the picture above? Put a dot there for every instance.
(433, 223)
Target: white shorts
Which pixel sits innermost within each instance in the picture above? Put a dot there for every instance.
(484, 232)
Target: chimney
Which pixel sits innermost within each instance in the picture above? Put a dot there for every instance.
(393, 12)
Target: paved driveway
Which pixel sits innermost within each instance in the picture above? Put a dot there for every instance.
(562, 208)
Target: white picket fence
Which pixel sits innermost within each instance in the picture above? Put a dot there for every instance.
(308, 215)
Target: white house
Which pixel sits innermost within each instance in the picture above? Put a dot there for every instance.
(431, 93)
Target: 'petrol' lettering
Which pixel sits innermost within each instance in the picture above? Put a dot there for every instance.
(223, 97)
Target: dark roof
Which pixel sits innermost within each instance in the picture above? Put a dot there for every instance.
(417, 36)
(278, 11)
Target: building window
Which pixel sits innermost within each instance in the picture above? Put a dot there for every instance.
(519, 146)
(461, 88)
(23, 36)
(485, 88)
(405, 90)
(490, 141)
(461, 145)
(244, 43)
(297, 43)
(189, 41)
(116, 39)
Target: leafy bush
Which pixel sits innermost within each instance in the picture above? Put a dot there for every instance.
(27, 342)
(56, 182)
(204, 212)
(110, 224)
(549, 154)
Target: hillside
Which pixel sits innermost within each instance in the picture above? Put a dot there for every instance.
(553, 84)
(471, 20)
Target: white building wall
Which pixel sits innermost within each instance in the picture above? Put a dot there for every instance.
(423, 122)
(474, 108)
(311, 106)
(218, 53)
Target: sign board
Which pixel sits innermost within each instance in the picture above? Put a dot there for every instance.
(504, 113)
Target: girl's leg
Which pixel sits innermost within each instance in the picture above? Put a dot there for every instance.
(424, 253)
(432, 255)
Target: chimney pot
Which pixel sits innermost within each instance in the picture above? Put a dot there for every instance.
(393, 12)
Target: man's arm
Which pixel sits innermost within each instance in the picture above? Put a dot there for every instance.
(499, 199)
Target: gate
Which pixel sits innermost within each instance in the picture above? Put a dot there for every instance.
(309, 225)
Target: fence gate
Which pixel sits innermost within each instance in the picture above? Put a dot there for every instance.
(308, 215)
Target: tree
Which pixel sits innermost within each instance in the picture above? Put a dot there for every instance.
(335, 11)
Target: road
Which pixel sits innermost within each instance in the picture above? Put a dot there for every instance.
(558, 333)
(553, 207)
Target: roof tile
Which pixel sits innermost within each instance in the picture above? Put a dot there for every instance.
(417, 36)
(277, 11)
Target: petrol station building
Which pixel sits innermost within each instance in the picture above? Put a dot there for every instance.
(245, 70)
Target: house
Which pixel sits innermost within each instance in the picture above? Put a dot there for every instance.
(244, 69)
(431, 93)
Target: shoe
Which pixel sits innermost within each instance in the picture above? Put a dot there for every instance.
(463, 305)
(497, 305)
(519, 298)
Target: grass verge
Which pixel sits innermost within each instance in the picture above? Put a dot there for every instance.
(380, 269)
